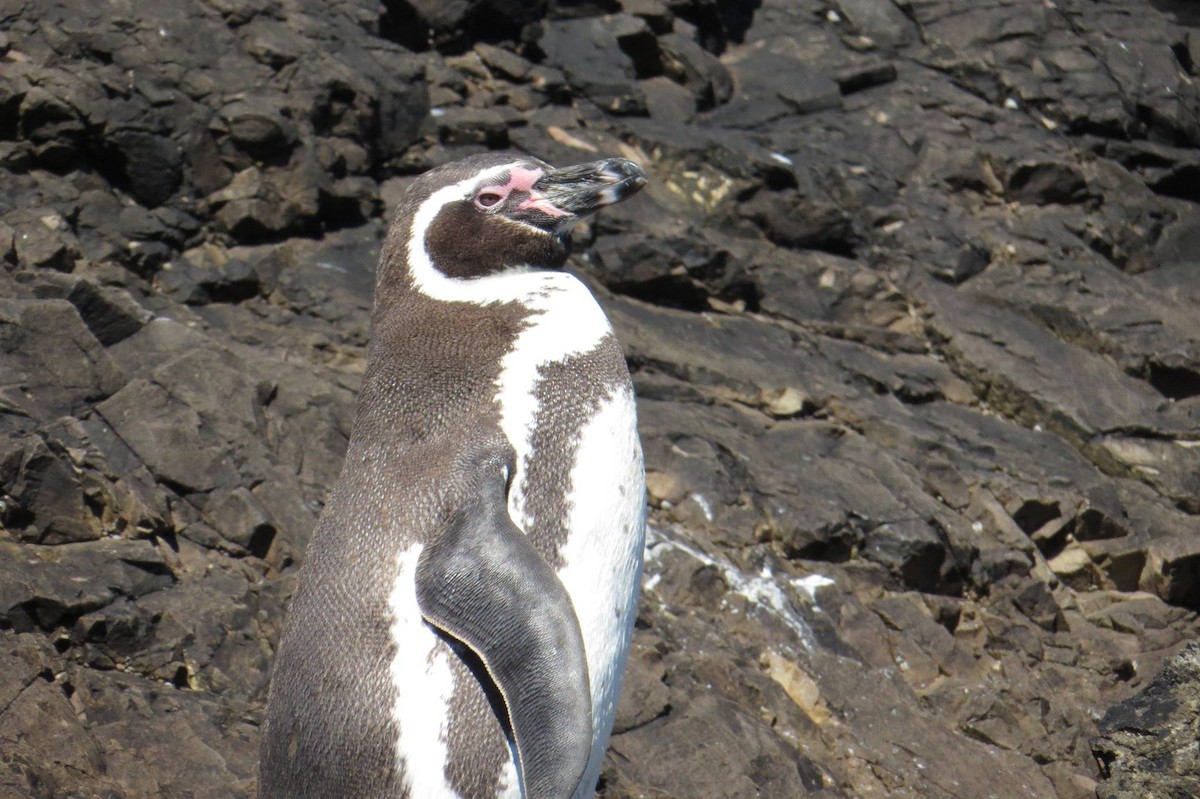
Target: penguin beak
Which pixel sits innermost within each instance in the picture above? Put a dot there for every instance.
(575, 191)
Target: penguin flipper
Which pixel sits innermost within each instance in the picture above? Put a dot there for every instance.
(482, 582)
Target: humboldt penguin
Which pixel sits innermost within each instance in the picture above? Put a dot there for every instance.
(462, 619)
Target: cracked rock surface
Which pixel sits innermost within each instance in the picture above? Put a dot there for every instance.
(911, 303)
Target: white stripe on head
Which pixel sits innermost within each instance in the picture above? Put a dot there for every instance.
(427, 278)
(424, 684)
(564, 321)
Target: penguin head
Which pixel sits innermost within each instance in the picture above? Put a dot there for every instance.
(502, 211)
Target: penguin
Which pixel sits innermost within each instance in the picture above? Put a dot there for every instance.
(462, 619)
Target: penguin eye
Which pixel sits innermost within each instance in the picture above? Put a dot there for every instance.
(487, 199)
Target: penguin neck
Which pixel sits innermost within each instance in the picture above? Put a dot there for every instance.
(496, 332)
(464, 244)
(410, 283)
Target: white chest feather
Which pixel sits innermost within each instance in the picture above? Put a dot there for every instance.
(602, 557)
(423, 686)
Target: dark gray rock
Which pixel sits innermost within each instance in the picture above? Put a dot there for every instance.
(589, 53)
(454, 26)
(685, 62)
(262, 204)
(42, 240)
(771, 86)
(110, 313)
(43, 375)
(53, 590)
(657, 13)
(333, 281)
(136, 723)
(44, 740)
(711, 737)
(167, 435)
(1146, 745)
(668, 101)
(209, 275)
(883, 24)
(791, 220)
(472, 126)
(43, 500)
(151, 165)
(1042, 183)
(257, 127)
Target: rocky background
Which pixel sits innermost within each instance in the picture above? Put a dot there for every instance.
(912, 305)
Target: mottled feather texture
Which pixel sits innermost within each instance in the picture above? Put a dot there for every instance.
(496, 409)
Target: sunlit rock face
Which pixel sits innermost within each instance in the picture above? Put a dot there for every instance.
(909, 302)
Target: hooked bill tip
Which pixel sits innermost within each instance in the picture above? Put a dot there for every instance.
(584, 188)
(624, 178)
(622, 169)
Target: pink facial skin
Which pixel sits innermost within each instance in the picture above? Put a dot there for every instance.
(540, 203)
(522, 179)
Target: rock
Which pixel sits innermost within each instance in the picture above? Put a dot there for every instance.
(48, 117)
(152, 165)
(1046, 395)
(801, 222)
(1146, 743)
(472, 126)
(259, 129)
(48, 504)
(259, 204)
(787, 402)
(725, 752)
(644, 694)
(860, 76)
(110, 313)
(1074, 567)
(41, 240)
(208, 275)
(1042, 183)
(42, 374)
(241, 520)
(506, 63)
(667, 101)
(206, 746)
(715, 25)
(167, 436)
(333, 281)
(656, 13)
(42, 734)
(272, 42)
(1037, 602)
(884, 24)
(686, 63)
(53, 590)
(589, 53)
(8, 253)
(1173, 570)
(453, 26)
(772, 86)
(125, 232)
(908, 301)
